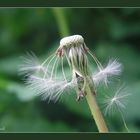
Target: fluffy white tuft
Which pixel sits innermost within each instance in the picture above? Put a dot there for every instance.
(49, 88)
(117, 101)
(30, 65)
(113, 68)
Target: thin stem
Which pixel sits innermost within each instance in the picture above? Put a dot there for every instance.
(48, 66)
(53, 67)
(42, 65)
(55, 75)
(46, 60)
(95, 111)
(96, 60)
(61, 21)
(63, 69)
(125, 125)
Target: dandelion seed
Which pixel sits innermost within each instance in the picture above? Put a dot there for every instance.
(116, 102)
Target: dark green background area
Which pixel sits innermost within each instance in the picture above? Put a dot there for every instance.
(109, 33)
(69, 3)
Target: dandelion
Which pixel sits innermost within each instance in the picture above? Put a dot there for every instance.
(45, 80)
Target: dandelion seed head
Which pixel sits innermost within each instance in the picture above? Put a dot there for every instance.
(47, 82)
(71, 40)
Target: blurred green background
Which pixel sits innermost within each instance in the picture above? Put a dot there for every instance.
(109, 33)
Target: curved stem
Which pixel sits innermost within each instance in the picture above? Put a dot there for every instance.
(95, 111)
(47, 60)
(125, 125)
(48, 66)
(63, 69)
(96, 60)
(53, 67)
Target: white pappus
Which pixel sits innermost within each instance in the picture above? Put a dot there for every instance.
(44, 79)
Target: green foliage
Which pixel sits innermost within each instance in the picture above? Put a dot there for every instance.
(109, 33)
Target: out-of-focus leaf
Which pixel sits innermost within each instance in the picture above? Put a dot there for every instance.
(23, 93)
(12, 124)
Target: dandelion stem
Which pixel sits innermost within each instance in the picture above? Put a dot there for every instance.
(95, 111)
(61, 21)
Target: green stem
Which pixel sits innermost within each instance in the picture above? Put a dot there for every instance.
(61, 21)
(64, 31)
(95, 111)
